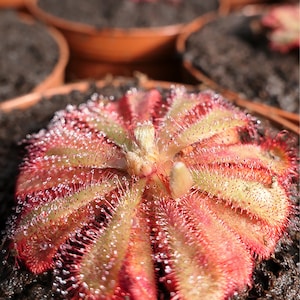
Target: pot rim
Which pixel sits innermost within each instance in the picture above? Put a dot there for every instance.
(287, 119)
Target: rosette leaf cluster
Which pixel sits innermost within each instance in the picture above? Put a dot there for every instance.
(154, 189)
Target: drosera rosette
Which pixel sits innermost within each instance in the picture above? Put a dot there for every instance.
(283, 24)
(157, 188)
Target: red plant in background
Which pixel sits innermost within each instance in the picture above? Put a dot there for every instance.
(118, 196)
(284, 23)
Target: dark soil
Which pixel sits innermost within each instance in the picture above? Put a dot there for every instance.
(277, 278)
(128, 13)
(27, 55)
(238, 58)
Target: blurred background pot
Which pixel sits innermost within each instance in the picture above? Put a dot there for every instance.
(112, 44)
(44, 47)
(117, 50)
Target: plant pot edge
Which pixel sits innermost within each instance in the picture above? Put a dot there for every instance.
(143, 44)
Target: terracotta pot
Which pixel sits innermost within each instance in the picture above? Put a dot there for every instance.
(136, 44)
(57, 75)
(96, 52)
(12, 3)
(193, 75)
(30, 99)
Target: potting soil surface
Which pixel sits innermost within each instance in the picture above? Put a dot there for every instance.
(27, 55)
(240, 59)
(128, 13)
